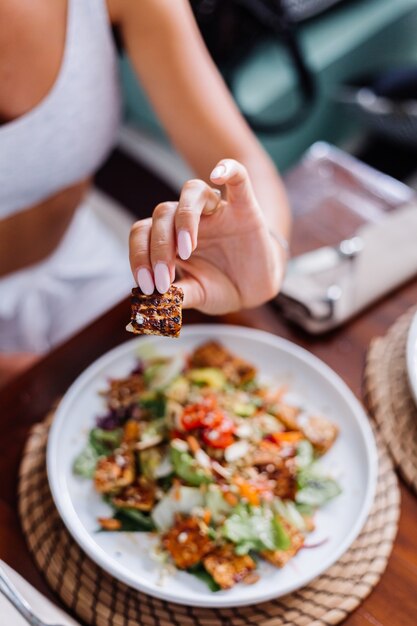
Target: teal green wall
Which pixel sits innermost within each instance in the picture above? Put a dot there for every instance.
(358, 36)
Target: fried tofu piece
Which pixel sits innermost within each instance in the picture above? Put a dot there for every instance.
(186, 542)
(317, 429)
(141, 495)
(157, 314)
(115, 472)
(279, 558)
(123, 392)
(210, 354)
(286, 480)
(226, 567)
(280, 469)
(213, 354)
(287, 415)
(320, 432)
(239, 371)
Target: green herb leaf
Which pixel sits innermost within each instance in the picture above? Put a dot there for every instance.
(154, 402)
(165, 483)
(105, 441)
(199, 572)
(132, 520)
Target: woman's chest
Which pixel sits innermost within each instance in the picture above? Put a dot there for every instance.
(61, 111)
(32, 45)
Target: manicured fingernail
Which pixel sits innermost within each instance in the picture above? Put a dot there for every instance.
(184, 245)
(218, 171)
(145, 281)
(162, 277)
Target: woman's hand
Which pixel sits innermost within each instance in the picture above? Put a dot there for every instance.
(223, 252)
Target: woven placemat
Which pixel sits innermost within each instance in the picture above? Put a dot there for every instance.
(100, 600)
(389, 398)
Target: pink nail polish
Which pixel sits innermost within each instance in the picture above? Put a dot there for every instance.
(162, 277)
(145, 281)
(184, 245)
(218, 171)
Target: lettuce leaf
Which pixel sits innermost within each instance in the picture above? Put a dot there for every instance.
(85, 463)
(181, 500)
(315, 489)
(255, 528)
(186, 467)
(216, 504)
(287, 510)
(100, 443)
(305, 454)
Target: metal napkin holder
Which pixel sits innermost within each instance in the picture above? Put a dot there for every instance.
(325, 288)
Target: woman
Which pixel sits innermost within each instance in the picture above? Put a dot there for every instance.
(59, 112)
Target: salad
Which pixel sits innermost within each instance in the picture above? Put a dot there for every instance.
(223, 469)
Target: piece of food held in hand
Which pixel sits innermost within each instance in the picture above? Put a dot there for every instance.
(157, 314)
(224, 470)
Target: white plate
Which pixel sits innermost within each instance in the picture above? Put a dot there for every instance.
(412, 357)
(353, 460)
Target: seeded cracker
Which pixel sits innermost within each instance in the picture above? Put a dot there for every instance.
(157, 314)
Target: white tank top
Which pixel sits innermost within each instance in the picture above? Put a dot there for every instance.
(69, 133)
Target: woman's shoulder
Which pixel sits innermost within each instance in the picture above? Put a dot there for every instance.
(143, 12)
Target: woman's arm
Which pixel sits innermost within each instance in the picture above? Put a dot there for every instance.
(191, 100)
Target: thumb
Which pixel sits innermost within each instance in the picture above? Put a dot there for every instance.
(235, 177)
(194, 295)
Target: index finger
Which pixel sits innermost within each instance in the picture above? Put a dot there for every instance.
(235, 177)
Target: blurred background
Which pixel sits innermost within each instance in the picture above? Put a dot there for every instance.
(345, 44)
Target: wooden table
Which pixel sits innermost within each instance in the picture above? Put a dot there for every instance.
(26, 400)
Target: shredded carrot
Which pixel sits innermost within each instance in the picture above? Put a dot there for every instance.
(193, 443)
(247, 491)
(269, 445)
(291, 436)
(108, 523)
(206, 516)
(251, 495)
(230, 498)
(177, 493)
(131, 431)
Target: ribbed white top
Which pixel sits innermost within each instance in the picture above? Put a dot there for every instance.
(69, 133)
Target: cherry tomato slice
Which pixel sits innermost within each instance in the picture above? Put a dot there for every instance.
(220, 432)
(213, 419)
(194, 415)
(217, 440)
(192, 418)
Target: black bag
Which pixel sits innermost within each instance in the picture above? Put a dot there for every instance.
(232, 28)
